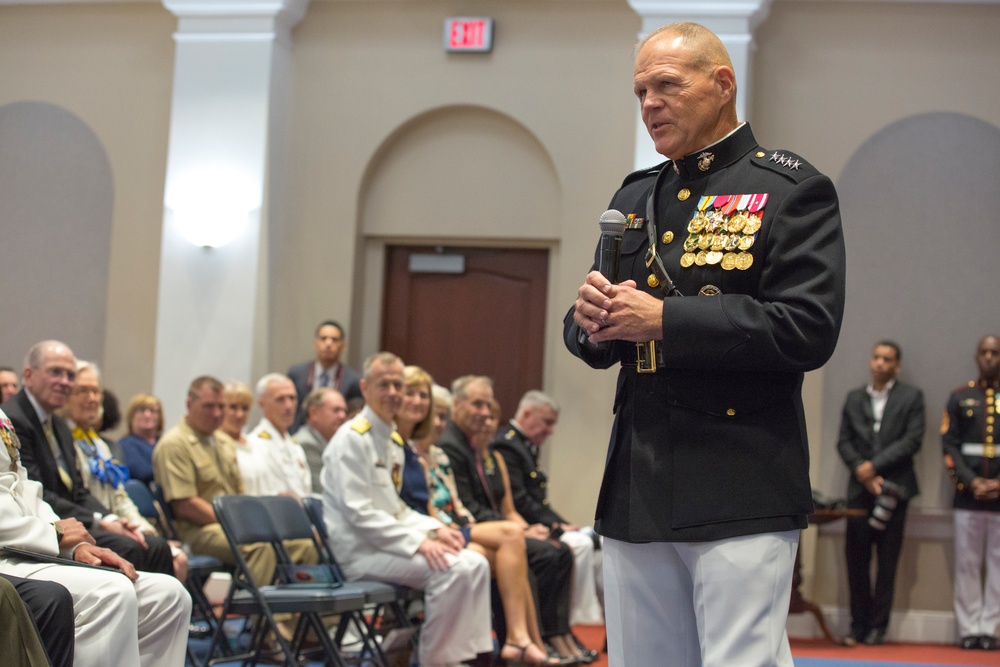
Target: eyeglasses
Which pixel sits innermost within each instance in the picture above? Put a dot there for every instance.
(96, 391)
(56, 373)
(148, 408)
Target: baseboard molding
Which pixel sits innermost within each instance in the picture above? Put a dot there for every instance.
(928, 627)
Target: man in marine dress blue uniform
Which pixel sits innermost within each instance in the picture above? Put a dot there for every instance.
(968, 435)
(706, 485)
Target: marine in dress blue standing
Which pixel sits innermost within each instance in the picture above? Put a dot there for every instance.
(708, 456)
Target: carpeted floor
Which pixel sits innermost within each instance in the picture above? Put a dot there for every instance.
(815, 653)
(821, 653)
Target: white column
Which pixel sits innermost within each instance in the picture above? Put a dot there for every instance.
(733, 22)
(226, 132)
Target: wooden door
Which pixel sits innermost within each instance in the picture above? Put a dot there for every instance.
(487, 319)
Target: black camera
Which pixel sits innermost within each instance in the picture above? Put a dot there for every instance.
(885, 505)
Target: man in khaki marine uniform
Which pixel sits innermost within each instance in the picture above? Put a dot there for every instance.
(194, 462)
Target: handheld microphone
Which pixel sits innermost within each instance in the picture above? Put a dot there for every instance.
(610, 249)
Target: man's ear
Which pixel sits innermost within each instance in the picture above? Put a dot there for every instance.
(725, 78)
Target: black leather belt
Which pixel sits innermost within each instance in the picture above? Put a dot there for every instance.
(644, 357)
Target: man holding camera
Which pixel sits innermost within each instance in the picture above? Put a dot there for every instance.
(881, 429)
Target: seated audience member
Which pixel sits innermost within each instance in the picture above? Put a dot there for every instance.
(519, 442)
(37, 618)
(482, 483)
(103, 476)
(237, 398)
(110, 417)
(272, 463)
(379, 537)
(194, 462)
(502, 542)
(324, 411)
(48, 454)
(144, 417)
(9, 384)
(119, 620)
(326, 370)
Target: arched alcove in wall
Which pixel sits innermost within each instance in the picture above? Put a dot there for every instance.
(481, 186)
(56, 199)
(921, 215)
(461, 172)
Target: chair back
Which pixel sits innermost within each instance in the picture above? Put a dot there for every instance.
(314, 510)
(143, 499)
(165, 513)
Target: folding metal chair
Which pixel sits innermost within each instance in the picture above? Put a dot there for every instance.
(293, 523)
(246, 520)
(200, 566)
(391, 597)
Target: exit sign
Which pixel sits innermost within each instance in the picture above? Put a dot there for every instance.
(468, 33)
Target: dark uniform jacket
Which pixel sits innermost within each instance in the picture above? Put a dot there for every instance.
(713, 444)
(528, 484)
(37, 458)
(891, 450)
(967, 420)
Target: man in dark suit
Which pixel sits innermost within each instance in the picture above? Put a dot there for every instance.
(326, 370)
(48, 454)
(881, 429)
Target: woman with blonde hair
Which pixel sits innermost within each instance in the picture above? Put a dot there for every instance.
(501, 542)
(144, 418)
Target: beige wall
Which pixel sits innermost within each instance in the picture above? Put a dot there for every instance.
(827, 76)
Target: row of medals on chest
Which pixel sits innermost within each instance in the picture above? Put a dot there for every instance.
(720, 239)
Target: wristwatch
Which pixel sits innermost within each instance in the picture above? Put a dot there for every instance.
(59, 532)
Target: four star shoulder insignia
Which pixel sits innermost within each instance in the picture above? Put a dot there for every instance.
(264, 435)
(397, 438)
(361, 425)
(789, 161)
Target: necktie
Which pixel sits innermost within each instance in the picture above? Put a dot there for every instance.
(51, 437)
(324, 379)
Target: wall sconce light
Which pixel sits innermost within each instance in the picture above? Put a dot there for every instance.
(211, 204)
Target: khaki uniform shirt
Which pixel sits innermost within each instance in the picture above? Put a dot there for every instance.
(188, 465)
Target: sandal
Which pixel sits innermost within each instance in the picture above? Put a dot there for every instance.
(521, 660)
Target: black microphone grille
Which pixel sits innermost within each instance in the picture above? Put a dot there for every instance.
(612, 222)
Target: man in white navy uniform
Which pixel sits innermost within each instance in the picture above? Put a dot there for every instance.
(121, 619)
(379, 537)
(280, 464)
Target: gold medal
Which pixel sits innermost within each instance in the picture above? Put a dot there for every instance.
(744, 261)
(652, 280)
(753, 224)
(729, 261)
(705, 241)
(733, 243)
(667, 237)
(691, 242)
(737, 222)
(683, 194)
(687, 259)
(746, 242)
(701, 258)
(714, 257)
(719, 242)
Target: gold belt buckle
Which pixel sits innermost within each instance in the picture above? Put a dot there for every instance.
(645, 357)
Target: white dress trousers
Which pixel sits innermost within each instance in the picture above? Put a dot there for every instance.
(977, 548)
(700, 604)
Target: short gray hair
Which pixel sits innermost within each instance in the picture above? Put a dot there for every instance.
(536, 399)
(461, 385)
(264, 382)
(35, 353)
